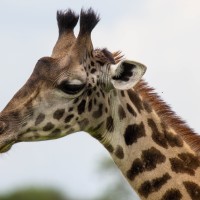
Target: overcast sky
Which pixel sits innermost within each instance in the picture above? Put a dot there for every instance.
(164, 35)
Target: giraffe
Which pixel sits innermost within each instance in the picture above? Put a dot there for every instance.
(79, 88)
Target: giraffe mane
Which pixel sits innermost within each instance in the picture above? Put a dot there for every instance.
(103, 56)
(168, 115)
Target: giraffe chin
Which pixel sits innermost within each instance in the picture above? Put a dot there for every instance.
(6, 143)
(6, 148)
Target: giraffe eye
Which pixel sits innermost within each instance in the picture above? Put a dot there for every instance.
(68, 88)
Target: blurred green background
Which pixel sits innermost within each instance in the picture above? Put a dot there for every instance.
(117, 189)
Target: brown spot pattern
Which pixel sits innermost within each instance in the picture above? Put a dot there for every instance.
(109, 124)
(174, 140)
(149, 159)
(193, 190)
(68, 118)
(76, 100)
(70, 109)
(81, 107)
(136, 168)
(135, 100)
(93, 70)
(133, 133)
(122, 93)
(92, 63)
(190, 160)
(121, 113)
(106, 109)
(102, 93)
(158, 137)
(185, 163)
(119, 152)
(164, 138)
(131, 110)
(48, 126)
(172, 194)
(99, 112)
(58, 114)
(154, 185)
(147, 107)
(39, 119)
(152, 157)
(90, 105)
(109, 147)
(89, 92)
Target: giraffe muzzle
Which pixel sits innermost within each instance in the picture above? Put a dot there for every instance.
(2, 127)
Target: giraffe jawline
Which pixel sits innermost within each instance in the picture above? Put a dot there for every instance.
(6, 148)
(6, 144)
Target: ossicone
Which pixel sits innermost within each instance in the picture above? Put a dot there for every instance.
(88, 20)
(66, 20)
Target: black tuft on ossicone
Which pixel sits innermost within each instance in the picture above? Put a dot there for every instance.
(88, 20)
(67, 20)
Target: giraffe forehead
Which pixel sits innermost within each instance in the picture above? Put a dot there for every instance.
(94, 66)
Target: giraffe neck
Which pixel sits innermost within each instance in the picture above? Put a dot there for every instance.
(150, 153)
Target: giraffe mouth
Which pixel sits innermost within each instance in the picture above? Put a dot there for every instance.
(6, 141)
(7, 136)
(6, 148)
(6, 145)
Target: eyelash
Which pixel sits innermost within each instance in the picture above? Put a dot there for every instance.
(70, 88)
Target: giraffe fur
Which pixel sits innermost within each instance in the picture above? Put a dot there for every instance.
(79, 88)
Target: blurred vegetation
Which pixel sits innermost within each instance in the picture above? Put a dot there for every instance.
(117, 189)
(35, 194)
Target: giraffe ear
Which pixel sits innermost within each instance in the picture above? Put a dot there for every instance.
(127, 74)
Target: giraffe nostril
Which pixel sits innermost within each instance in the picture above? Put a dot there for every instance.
(2, 127)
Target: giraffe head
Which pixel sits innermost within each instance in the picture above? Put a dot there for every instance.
(69, 91)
